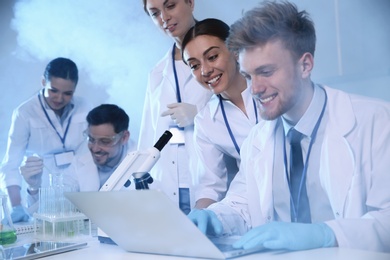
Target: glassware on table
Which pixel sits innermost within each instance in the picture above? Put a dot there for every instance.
(7, 230)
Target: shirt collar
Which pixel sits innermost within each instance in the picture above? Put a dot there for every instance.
(214, 102)
(309, 119)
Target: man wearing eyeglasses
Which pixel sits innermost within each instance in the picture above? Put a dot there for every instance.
(108, 141)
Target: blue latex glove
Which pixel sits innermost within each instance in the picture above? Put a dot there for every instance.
(19, 214)
(206, 221)
(291, 236)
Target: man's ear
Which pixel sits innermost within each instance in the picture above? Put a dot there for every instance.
(126, 136)
(43, 81)
(192, 3)
(307, 64)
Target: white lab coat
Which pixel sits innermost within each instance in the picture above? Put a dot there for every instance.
(84, 171)
(213, 142)
(160, 92)
(354, 172)
(31, 132)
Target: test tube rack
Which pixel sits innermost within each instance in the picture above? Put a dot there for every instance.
(61, 228)
(57, 218)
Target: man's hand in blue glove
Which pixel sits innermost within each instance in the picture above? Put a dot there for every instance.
(207, 221)
(290, 236)
(19, 214)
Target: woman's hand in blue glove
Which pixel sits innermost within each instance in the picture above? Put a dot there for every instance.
(19, 214)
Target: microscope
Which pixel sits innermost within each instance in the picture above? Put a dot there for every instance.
(137, 164)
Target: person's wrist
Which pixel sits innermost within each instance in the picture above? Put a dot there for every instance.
(328, 235)
(33, 190)
(17, 206)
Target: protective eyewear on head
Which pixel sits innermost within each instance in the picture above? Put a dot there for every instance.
(106, 141)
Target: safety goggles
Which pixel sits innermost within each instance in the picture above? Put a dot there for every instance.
(104, 141)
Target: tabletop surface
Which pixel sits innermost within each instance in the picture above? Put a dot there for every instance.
(97, 250)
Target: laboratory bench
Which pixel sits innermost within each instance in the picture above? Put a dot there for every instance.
(96, 250)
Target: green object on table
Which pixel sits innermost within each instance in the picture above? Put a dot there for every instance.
(7, 237)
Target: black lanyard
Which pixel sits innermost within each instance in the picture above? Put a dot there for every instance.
(51, 123)
(314, 135)
(227, 122)
(178, 97)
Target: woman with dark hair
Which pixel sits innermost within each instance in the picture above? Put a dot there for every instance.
(223, 124)
(44, 133)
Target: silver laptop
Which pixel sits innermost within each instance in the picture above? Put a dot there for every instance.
(147, 221)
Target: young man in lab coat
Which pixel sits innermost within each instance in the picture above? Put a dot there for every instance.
(345, 146)
(108, 142)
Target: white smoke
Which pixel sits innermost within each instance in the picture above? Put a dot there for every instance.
(115, 45)
(114, 42)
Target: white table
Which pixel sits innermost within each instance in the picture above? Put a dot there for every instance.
(96, 250)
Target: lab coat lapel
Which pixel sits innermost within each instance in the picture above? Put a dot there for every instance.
(263, 169)
(50, 115)
(251, 109)
(214, 106)
(168, 74)
(336, 160)
(88, 176)
(337, 163)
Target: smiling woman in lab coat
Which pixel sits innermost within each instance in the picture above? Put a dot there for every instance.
(49, 126)
(172, 100)
(223, 124)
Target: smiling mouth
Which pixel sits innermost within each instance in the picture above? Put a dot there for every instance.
(213, 80)
(266, 100)
(170, 27)
(98, 155)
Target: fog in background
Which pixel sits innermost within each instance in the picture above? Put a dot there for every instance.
(115, 45)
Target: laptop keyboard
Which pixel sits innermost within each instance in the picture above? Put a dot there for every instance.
(225, 247)
(225, 244)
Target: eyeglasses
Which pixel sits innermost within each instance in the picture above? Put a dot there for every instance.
(106, 141)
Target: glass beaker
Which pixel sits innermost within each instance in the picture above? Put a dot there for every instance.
(7, 230)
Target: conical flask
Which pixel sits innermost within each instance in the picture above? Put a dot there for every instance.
(7, 230)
